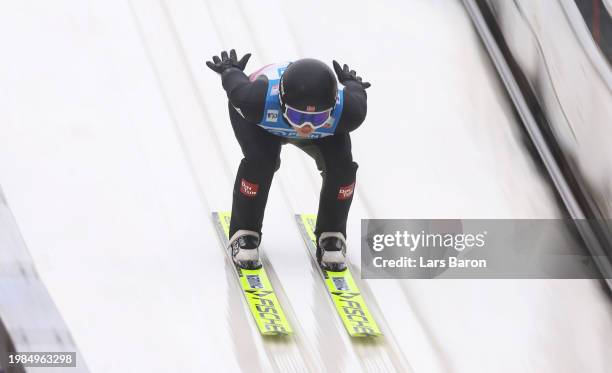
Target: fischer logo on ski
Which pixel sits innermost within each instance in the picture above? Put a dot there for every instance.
(256, 288)
(267, 311)
(341, 287)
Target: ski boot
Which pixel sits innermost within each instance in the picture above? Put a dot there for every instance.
(331, 251)
(244, 249)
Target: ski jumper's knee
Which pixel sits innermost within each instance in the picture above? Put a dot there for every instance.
(340, 170)
(262, 162)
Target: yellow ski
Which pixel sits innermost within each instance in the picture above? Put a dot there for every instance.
(256, 288)
(341, 287)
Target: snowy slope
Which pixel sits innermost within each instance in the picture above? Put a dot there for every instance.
(115, 147)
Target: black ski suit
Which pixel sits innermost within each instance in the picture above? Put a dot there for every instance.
(261, 150)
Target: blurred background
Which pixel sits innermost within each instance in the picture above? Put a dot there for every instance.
(115, 147)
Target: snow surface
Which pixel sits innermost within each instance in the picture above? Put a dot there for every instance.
(115, 146)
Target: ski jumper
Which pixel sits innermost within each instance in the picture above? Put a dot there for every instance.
(261, 130)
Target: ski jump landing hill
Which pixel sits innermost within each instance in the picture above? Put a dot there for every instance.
(115, 147)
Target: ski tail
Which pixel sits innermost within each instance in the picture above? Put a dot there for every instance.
(256, 288)
(341, 287)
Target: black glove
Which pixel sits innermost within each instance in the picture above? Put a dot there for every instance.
(344, 75)
(219, 65)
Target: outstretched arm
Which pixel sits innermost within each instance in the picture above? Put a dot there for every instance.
(247, 97)
(355, 98)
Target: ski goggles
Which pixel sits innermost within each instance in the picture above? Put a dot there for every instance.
(300, 118)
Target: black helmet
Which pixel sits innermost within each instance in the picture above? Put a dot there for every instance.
(308, 85)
